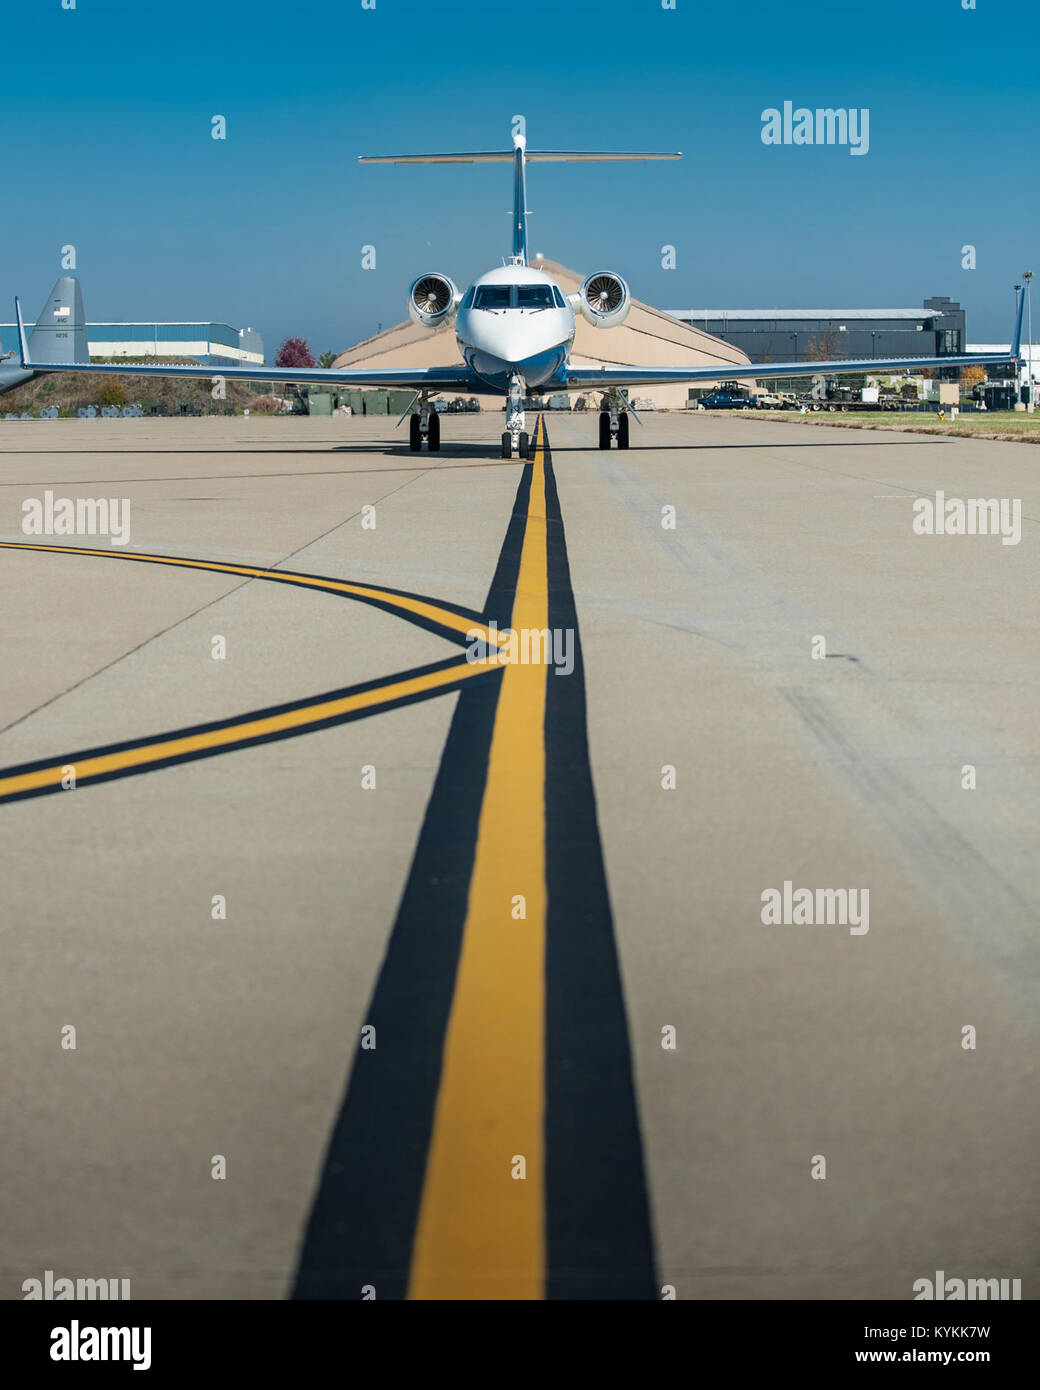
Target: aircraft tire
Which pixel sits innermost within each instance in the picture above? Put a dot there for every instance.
(507, 445)
(415, 434)
(604, 429)
(433, 437)
(622, 430)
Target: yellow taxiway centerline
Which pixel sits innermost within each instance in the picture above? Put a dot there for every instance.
(120, 760)
(481, 1228)
(420, 608)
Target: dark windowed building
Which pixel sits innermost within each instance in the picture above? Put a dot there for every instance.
(796, 335)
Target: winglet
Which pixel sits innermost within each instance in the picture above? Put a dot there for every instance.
(23, 346)
(1016, 346)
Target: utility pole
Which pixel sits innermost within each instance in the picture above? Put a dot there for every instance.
(1028, 278)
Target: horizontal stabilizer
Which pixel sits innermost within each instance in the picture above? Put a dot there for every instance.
(506, 157)
(519, 156)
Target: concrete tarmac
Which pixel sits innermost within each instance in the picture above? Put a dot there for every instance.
(542, 891)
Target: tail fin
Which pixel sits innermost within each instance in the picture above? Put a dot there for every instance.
(519, 156)
(60, 334)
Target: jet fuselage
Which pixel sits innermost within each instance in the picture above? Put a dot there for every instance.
(515, 320)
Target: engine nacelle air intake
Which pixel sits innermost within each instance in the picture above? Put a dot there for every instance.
(604, 300)
(433, 300)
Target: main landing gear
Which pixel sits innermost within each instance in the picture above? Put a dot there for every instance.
(424, 424)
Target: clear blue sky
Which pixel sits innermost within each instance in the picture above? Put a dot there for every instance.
(107, 110)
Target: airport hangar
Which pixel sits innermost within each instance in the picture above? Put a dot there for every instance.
(210, 343)
(792, 335)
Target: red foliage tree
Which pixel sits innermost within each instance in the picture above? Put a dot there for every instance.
(295, 352)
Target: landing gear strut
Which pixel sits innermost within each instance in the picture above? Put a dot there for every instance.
(515, 436)
(424, 423)
(613, 421)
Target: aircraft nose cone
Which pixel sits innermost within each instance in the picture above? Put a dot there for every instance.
(490, 334)
(514, 337)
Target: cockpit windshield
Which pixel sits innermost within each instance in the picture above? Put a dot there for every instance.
(534, 297)
(492, 297)
(516, 297)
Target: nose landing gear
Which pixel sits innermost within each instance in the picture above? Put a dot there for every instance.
(424, 423)
(515, 436)
(524, 445)
(613, 422)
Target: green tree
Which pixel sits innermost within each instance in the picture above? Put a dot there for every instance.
(112, 393)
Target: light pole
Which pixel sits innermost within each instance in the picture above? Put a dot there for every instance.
(1027, 276)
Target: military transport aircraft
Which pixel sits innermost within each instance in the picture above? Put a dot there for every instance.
(514, 328)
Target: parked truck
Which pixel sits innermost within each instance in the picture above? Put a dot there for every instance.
(836, 395)
(729, 396)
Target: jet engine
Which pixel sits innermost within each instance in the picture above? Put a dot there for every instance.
(433, 300)
(603, 299)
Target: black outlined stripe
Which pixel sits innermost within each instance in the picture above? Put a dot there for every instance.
(597, 1208)
(316, 583)
(444, 620)
(233, 742)
(361, 1226)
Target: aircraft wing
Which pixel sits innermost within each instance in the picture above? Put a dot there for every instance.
(404, 378)
(591, 378)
